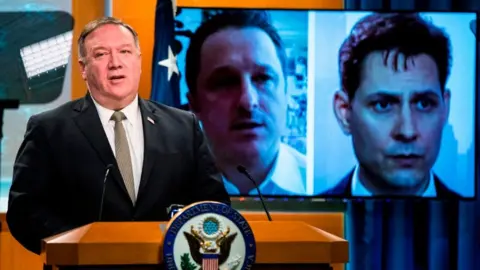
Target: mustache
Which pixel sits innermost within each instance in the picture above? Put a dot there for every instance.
(251, 118)
(405, 151)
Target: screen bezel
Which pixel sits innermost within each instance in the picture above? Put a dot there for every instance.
(336, 198)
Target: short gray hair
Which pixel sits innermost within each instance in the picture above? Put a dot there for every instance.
(93, 25)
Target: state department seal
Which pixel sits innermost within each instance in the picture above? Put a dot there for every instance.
(208, 236)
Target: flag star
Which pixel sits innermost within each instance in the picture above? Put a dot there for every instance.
(174, 7)
(170, 63)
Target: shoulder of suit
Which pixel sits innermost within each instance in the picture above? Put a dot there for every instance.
(443, 191)
(57, 113)
(171, 113)
(342, 187)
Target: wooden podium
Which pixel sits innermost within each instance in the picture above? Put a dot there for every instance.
(138, 245)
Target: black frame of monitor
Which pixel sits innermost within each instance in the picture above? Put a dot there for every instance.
(337, 198)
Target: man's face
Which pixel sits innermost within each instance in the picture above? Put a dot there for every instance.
(112, 65)
(240, 96)
(396, 118)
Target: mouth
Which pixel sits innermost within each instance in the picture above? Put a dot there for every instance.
(249, 125)
(116, 78)
(406, 160)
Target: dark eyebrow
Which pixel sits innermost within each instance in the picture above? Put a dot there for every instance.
(257, 67)
(220, 73)
(398, 95)
(427, 93)
(99, 48)
(383, 95)
(105, 48)
(222, 70)
(264, 68)
(125, 45)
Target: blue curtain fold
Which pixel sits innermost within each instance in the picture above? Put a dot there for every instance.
(430, 235)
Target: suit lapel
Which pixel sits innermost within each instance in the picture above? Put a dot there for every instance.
(152, 141)
(343, 188)
(346, 184)
(89, 123)
(443, 191)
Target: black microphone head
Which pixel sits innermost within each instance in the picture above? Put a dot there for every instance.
(244, 171)
(241, 169)
(109, 166)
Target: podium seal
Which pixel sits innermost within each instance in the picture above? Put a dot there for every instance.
(208, 236)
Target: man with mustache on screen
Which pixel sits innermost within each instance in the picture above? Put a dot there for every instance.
(394, 104)
(236, 75)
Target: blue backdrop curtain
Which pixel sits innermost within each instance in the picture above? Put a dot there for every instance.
(433, 235)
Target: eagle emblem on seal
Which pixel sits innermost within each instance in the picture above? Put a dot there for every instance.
(210, 244)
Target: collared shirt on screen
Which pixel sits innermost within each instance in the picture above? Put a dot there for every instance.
(287, 177)
(361, 191)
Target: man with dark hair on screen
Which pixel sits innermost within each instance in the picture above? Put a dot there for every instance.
(236, 75)
(394, 104)
(111, 155)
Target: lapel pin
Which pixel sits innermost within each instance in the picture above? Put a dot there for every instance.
(151, 120)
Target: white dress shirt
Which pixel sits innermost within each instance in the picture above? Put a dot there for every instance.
(287, 177)
(361, 191)
(134, 129)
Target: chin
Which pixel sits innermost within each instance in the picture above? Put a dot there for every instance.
(407, 179)
(245, 152)
(119, 91)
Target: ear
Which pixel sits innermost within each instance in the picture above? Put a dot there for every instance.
(140, 58)
(446, 102)
(342, 110)
(82, 69)
(192, 103)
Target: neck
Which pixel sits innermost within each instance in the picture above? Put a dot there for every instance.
(113, 103)
(259, 171)
(379, 187)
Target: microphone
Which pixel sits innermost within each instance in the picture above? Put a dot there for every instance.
(173, 209)
(107, 171)
(244, 171)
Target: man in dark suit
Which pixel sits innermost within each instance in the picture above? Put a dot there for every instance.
(394, 103)
(344, 188)
(158, 155)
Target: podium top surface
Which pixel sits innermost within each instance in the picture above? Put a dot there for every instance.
(123, 243)
(111, 233)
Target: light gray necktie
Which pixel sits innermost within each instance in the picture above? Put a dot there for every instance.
(122, 153)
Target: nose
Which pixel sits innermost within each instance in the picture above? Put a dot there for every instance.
(114, 62)
(248, 95)
(405, 127)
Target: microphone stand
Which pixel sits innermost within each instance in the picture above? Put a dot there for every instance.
(245, 172)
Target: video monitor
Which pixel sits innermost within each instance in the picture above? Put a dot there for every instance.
(35, 47)
(334, 104)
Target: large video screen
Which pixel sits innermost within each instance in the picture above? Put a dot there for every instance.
(334, 104)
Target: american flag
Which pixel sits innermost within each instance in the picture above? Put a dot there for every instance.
(210, 262)
(165, 74)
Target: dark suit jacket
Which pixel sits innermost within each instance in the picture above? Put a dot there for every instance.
(343, 189)
(60, 167)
